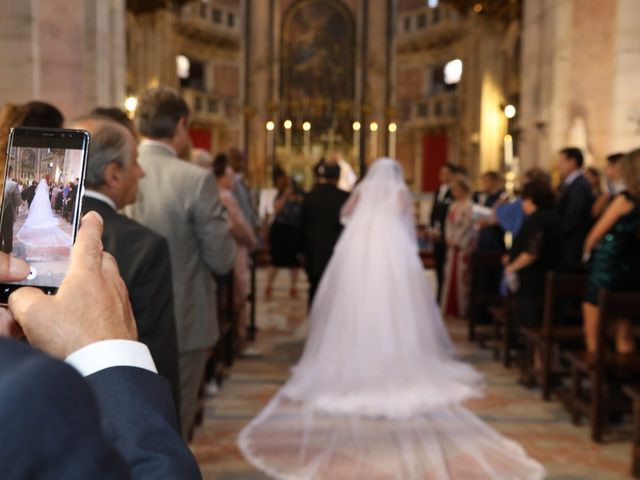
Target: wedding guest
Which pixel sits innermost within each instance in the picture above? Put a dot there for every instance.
(180, 201)
(283, 235)
(103, 412)
(241, 190)
(244, 235)
(615, 182)
(202, 158)
(111, 183)
(534, 252)
(117, 115)
(320, 225)
(574, 207)
(490, 240)
(614, 246)
(600, 197)
(460, 237)
(509, 212)
(10, 206)
(438, 219)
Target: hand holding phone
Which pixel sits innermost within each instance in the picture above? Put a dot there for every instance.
(43, 184)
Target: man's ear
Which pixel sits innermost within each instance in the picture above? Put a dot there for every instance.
(112, 174)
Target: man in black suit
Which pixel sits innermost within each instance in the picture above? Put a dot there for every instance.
(29, 192)
(320, 223)
(574, 207)
(112, 183)
(116, 423)
(438, 219)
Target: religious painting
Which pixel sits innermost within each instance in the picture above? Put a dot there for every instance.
(318, 57)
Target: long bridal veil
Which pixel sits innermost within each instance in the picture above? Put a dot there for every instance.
(377, 392)
(41, 228)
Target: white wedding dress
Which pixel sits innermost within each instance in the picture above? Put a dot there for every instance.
(377, 393)
(42, 227)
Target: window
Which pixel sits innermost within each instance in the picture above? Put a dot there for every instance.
(213, 105)
(437, 108)
(216, 15)
(203, 10)
(197, 104)
(435, 15)
(437, 84)
(407, 24)
(423, 110)
(231, 20)
(422, 20)
(453, 107)
(196, 76)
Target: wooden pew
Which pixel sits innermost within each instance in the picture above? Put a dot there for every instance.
(562, 292)
(633, 392)
(605, 369)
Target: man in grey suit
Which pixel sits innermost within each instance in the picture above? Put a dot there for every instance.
(180, 201)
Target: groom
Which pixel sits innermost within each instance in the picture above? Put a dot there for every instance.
(321, 227)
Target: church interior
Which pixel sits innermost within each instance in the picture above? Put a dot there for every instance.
(481, 104)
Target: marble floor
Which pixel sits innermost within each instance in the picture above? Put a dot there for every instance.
(542, 428)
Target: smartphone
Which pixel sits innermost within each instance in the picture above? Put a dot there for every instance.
(41, 202)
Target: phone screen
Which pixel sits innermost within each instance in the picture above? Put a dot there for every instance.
(41, 202)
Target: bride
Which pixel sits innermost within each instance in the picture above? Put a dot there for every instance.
(41, 228)
(378, 391)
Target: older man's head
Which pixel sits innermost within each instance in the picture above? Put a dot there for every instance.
(112, 168)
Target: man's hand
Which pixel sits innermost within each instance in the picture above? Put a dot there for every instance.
(92, 304)
(11, 270)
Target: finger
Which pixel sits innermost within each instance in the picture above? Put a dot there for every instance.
(7, 323)
(23, 300)
(112, 273)
(12, 269)
(86, 254)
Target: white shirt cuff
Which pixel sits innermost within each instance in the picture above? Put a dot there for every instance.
(111, 353)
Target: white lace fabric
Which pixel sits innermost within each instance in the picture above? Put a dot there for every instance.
(377, 392)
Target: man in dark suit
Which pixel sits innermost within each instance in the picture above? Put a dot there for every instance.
(320, 223)
(438, 219)
(116, 423)
(112, 183)
(10, 206)
(574, 207)
(29, 192)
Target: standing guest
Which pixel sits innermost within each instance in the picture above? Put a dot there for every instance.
(180, 201)
(10, 206)
(320, 225)
(243, 234)
(238, 162)
(283, 235)
(600, 198)
(614, 246)
(615, 182)
(534, 252)
(202, 158)
(574, 207)
(117, 115)
(29, 193)
(460, 238)
(438, 219)
(490, 240)
(111, 183)
(509, 213)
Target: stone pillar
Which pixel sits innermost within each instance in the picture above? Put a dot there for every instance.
(51, 52)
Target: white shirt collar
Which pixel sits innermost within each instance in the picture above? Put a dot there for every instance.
(572, 177)
(156, 143)
(100, 196)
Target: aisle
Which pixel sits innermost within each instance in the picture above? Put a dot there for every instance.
(542, 428)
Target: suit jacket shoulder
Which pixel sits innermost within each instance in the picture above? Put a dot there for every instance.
(50, 421)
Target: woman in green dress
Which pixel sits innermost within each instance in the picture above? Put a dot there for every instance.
(613, 245)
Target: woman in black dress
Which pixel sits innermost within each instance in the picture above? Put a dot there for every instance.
(283, 235)
(613, 246)
(534, 252)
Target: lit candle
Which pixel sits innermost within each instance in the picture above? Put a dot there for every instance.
(356, 139)
(287, 136)
(306, 126)
(373, 147)
(393, 128)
